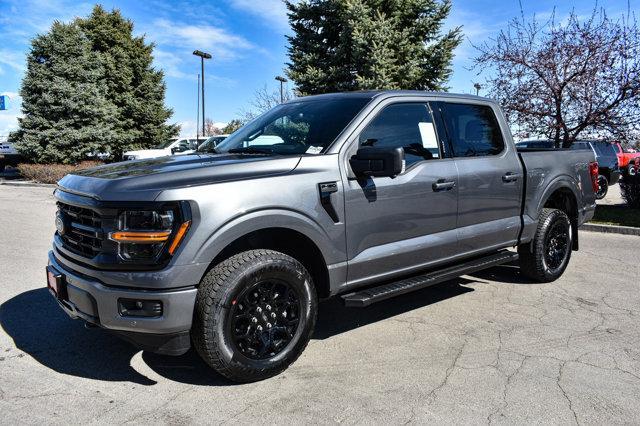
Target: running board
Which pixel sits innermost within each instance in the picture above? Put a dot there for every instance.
(362, 298)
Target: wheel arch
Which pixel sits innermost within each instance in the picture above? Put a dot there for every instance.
(288, 232)
(563, 195)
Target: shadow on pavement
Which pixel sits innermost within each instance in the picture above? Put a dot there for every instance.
(334, 318)
(41, 329)
(504, 274)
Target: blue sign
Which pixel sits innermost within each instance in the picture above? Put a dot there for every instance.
(3, 103)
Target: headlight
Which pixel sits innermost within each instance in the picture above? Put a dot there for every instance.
(144, 235)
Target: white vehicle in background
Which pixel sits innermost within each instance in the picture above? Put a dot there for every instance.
(170, 147)
(210, 144)
(9, 156)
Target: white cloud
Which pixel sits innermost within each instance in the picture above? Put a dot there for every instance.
(172, 65)
(273, 11)
(12, 59)
(188, 37)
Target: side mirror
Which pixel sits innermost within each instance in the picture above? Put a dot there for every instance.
(377, 162)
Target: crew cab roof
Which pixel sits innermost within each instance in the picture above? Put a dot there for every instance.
(371, 94)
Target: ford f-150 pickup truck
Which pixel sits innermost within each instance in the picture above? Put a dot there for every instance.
(364, 196)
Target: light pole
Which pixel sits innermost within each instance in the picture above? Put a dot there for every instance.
(203, 56)
(477, 86)
(198, 110)
(282, 80)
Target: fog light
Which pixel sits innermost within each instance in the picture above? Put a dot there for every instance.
(139, 308)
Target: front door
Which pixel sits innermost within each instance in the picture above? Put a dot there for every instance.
(396, 225)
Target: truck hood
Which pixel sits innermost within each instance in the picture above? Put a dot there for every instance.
(144, 180)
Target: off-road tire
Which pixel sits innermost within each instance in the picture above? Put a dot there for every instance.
(603, 187)
(217, 292)
(532, 255)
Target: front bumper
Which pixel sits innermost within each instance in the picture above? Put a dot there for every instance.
(96, 303)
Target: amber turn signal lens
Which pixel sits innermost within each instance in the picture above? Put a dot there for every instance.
(140, 236)
(182, 231)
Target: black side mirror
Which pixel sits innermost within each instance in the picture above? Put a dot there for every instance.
(377, 162)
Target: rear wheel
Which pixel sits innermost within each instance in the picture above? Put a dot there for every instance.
(547, 256)
(603, 187)
(254, 315)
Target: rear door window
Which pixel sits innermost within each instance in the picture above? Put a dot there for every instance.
(472, 129)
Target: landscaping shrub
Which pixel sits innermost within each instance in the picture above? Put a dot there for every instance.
(52, 173)
(630, 189)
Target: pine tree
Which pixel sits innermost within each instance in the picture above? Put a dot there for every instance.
(134, 86)
(67, 114)
(342, 45)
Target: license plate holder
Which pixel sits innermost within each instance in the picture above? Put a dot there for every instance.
(56, 283)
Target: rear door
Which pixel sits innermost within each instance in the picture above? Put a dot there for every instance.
(489, 175)
(395, 225)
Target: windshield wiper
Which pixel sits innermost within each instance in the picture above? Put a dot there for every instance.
(251, 150)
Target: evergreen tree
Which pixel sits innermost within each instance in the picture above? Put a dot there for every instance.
(134, 86)
(342, 45)
(232, 126)
(66, 111)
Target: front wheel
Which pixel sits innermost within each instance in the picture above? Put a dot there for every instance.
(547, 256)
(603, 187)
(254, 315)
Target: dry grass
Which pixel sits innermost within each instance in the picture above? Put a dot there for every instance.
(52, 173)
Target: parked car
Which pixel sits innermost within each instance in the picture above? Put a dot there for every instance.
(368, 195)
(9, 156)
(170, 147)
(210, 144)
(626, 158)
(608, 170)
(537, 144)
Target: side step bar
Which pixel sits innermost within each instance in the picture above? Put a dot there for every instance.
(362, 298)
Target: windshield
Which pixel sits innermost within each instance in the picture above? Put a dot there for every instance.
(166, 144)
(604, 149)
(295, 127)
(210, 143)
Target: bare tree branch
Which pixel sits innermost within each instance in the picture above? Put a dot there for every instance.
(567, 78)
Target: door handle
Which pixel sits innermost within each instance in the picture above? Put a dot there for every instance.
(510, 177)
(443, 185)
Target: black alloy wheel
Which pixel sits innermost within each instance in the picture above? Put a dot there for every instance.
(264, 319)
(603, 187)
(556, 245)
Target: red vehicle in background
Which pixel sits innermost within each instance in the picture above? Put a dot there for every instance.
(626, 157)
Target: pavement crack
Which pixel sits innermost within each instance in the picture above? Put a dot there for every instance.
(432, 395)
(564, 393)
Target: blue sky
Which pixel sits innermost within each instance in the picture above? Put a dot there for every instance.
(246, 38)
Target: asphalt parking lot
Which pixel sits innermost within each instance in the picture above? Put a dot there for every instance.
(490, 348)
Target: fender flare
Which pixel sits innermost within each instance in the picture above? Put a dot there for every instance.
(563, 182)
(560, 182)
(264, 219)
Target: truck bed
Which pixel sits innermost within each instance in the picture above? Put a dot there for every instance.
(549, 168)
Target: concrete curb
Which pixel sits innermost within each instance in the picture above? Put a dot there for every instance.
(26, 183)
(610, 229)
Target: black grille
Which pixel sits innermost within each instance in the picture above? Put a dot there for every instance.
(83, 230)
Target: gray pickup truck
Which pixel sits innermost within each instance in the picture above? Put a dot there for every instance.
(363, 195)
